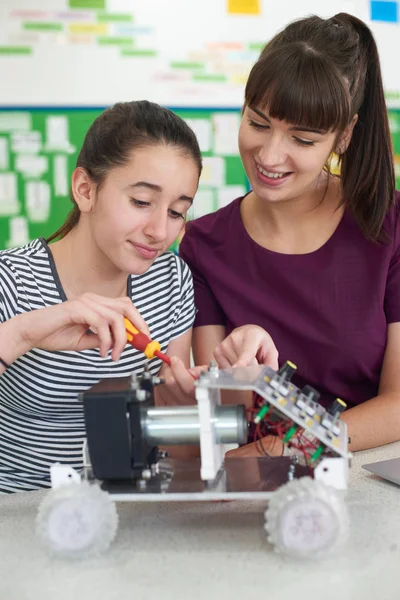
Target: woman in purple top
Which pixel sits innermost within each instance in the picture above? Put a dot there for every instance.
(309, 257)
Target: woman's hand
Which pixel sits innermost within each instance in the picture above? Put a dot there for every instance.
(179, 383)
(270, 445)
(65, 326)
(247, 345)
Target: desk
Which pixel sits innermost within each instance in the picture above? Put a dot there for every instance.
(209, 551)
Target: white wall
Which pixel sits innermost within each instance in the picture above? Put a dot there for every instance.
(69, 69)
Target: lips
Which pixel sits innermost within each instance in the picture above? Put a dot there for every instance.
(271, 178)
(145, 251)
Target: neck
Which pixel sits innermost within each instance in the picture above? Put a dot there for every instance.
(295, 226)
(83, 268)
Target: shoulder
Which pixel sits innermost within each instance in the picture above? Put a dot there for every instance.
(213, 223)
(16, 260)
(168, 270)
(391, 225)
(22, 254)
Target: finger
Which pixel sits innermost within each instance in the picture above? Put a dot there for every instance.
(225, 356)
(105, 338)
(271, 360)
(88, 342)
(182, 376)
(124, 306)
(196, 371)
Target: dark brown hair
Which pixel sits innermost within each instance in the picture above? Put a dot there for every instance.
(320, 73)
(124, 127)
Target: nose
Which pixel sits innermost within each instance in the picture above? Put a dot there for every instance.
(156, 226)
(272, 152)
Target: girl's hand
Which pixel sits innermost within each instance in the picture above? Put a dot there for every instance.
(247, 345)
(179, 383)
(65, 326)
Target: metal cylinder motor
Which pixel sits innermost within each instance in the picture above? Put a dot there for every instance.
(172, 425)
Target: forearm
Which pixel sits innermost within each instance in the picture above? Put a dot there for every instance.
(12, 344)
(374, 423)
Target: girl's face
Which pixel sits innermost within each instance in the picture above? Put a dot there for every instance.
(140, 208)
(282, 161)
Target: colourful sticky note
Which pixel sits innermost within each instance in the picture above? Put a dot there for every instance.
(384, 11)
(244, 7)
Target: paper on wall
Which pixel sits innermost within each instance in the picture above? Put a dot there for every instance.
(203, 204)
(203, 131)
(213, 173)
(31, 165)
(57, 135)
(9, 204)
(19, 234)
(15, 121)
(60, 175)
(37, 201)
(244, 7)
(226, 131)
(29, 142)
(228, 193)
(3, 153)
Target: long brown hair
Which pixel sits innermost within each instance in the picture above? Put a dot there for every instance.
(124, 127)
(320, 73)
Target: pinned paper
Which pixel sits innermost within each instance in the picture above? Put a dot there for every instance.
(213, 173)
(244, 7)
(27, 141)
(385, 11)
(57, 136)
(3, 154)
(31, 165)
(9, 204)
(60, 175)
(19, 234)
(37, 201)
(15, 121)
(226, 131)
(228, 193)
(203, 204)
(202, 129)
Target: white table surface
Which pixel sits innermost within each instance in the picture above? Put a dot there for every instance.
(209, 551)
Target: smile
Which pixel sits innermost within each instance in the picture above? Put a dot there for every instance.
(270, 174)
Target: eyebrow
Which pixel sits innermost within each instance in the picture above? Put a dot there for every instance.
(157, 188)
(294, 128)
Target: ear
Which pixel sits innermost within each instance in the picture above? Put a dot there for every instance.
(345, 138)
(83, 190)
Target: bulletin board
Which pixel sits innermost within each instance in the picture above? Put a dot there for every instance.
(73, 55)
(38, 151)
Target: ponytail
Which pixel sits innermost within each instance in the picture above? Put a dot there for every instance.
(367, 167)
(72, 220)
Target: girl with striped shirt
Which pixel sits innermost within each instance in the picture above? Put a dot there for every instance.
(135, 179)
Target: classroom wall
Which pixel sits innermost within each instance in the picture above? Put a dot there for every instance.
(63, 61)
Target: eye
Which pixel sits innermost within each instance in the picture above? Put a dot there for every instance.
(176, 215)
(139, 203)
(257, 125)
(304, 142)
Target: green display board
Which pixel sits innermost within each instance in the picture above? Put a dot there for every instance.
(39, 147)
(38, 151)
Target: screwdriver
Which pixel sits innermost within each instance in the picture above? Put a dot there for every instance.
(142, 342)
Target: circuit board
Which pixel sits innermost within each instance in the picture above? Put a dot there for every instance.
(286, 398)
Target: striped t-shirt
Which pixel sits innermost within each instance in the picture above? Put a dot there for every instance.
(41, 420)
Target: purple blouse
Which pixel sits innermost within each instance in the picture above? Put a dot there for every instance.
(327, 311)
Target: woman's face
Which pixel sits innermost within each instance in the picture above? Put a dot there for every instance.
(282, 161)
(140, 208)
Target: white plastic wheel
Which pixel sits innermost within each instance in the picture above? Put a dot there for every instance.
(306, 519)
(77, 520)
